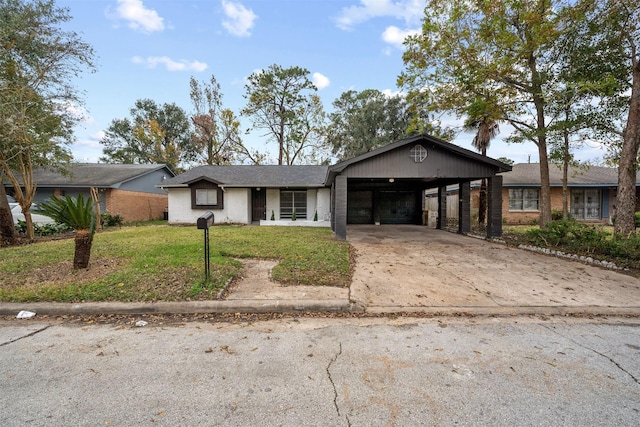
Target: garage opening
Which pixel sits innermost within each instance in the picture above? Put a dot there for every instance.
(386, 206)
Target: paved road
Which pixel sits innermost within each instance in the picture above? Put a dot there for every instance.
(329, 372)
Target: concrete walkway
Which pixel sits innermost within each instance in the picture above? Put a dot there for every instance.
(414, 269)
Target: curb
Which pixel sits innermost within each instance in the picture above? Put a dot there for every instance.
(631, 311)
(235, 306)
(302, 306)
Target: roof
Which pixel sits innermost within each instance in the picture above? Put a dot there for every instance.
(528, 175)
(94, 175)
(447, 146)
(275, 176)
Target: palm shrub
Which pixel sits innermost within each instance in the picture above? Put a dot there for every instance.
(77, 214)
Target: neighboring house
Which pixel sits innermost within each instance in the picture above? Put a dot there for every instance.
(591, 198)
(128, 190)
(592, 193)
(384, 186)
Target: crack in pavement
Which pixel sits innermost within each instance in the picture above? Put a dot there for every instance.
(25, 336)
(333, 384)
(596, 352)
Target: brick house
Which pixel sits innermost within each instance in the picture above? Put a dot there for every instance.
(592, 193)
(128, 190)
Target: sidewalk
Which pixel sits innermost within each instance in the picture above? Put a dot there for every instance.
(413, 269)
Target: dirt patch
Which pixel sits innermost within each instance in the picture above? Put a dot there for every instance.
(256, 284)
(62, 273)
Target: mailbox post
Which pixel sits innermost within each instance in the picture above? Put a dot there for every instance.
(204, 222)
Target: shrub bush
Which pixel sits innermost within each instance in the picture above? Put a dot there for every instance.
(583, 239)
(109, 220)
(42, 230)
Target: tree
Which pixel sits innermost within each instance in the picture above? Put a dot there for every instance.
(216, 135)
(506, 160)
(38, 60)
(283, 103)
(364, 121)
(153, 134)
(482, 117)
(612, 31)
(468, 49)
(7, 230)
(78, 214)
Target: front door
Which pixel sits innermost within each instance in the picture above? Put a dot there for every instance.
(258, 204)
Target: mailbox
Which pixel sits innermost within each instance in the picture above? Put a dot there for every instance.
(205, 221)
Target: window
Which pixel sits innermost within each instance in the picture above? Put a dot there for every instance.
(585, 203)
(524, 199)
(290, 200)
(206, 195)
(418, 153)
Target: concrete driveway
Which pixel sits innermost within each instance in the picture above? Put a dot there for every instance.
(417, 267)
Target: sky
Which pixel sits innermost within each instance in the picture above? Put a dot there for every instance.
(151, 48)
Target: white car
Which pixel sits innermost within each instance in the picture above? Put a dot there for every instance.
(38, 219)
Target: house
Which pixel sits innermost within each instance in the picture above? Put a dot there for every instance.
(591, 198)
(384, 186)
(592, 193)
(128, 190)
(244, 194)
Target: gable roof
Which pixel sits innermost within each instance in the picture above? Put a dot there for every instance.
(528, 175)
(432, 140)
(274, 176)
(94, 175)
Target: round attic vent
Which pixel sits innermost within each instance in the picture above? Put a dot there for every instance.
(418, 153)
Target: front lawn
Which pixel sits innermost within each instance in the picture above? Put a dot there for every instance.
(164, 263)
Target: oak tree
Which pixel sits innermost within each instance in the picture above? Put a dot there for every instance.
(153, 134)
(38, 62)
(469, 49)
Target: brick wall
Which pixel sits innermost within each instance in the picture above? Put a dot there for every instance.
(136, 206)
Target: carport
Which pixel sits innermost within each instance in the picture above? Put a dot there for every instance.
(386, 186)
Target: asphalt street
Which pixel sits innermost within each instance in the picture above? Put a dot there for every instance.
(526, 371)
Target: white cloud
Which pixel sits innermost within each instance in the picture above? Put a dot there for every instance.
(395, 36)
(239, 20)
(321, 81)
(392, 93)
(411, 11)
(139, 17)
(170, 64)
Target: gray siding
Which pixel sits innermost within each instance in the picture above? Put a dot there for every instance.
(438, 164)
(146, 183)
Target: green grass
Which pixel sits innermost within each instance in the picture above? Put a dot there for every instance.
(156, 262)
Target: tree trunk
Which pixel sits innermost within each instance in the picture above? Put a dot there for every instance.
(541, 142)
(7, 230)
(626, 197)
(82, 253)
(566, 157)
(482, 202)
(545, 194)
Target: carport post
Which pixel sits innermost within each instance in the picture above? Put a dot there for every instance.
(442, 208)
(464, 208)
(494, 207)
(340, 207)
